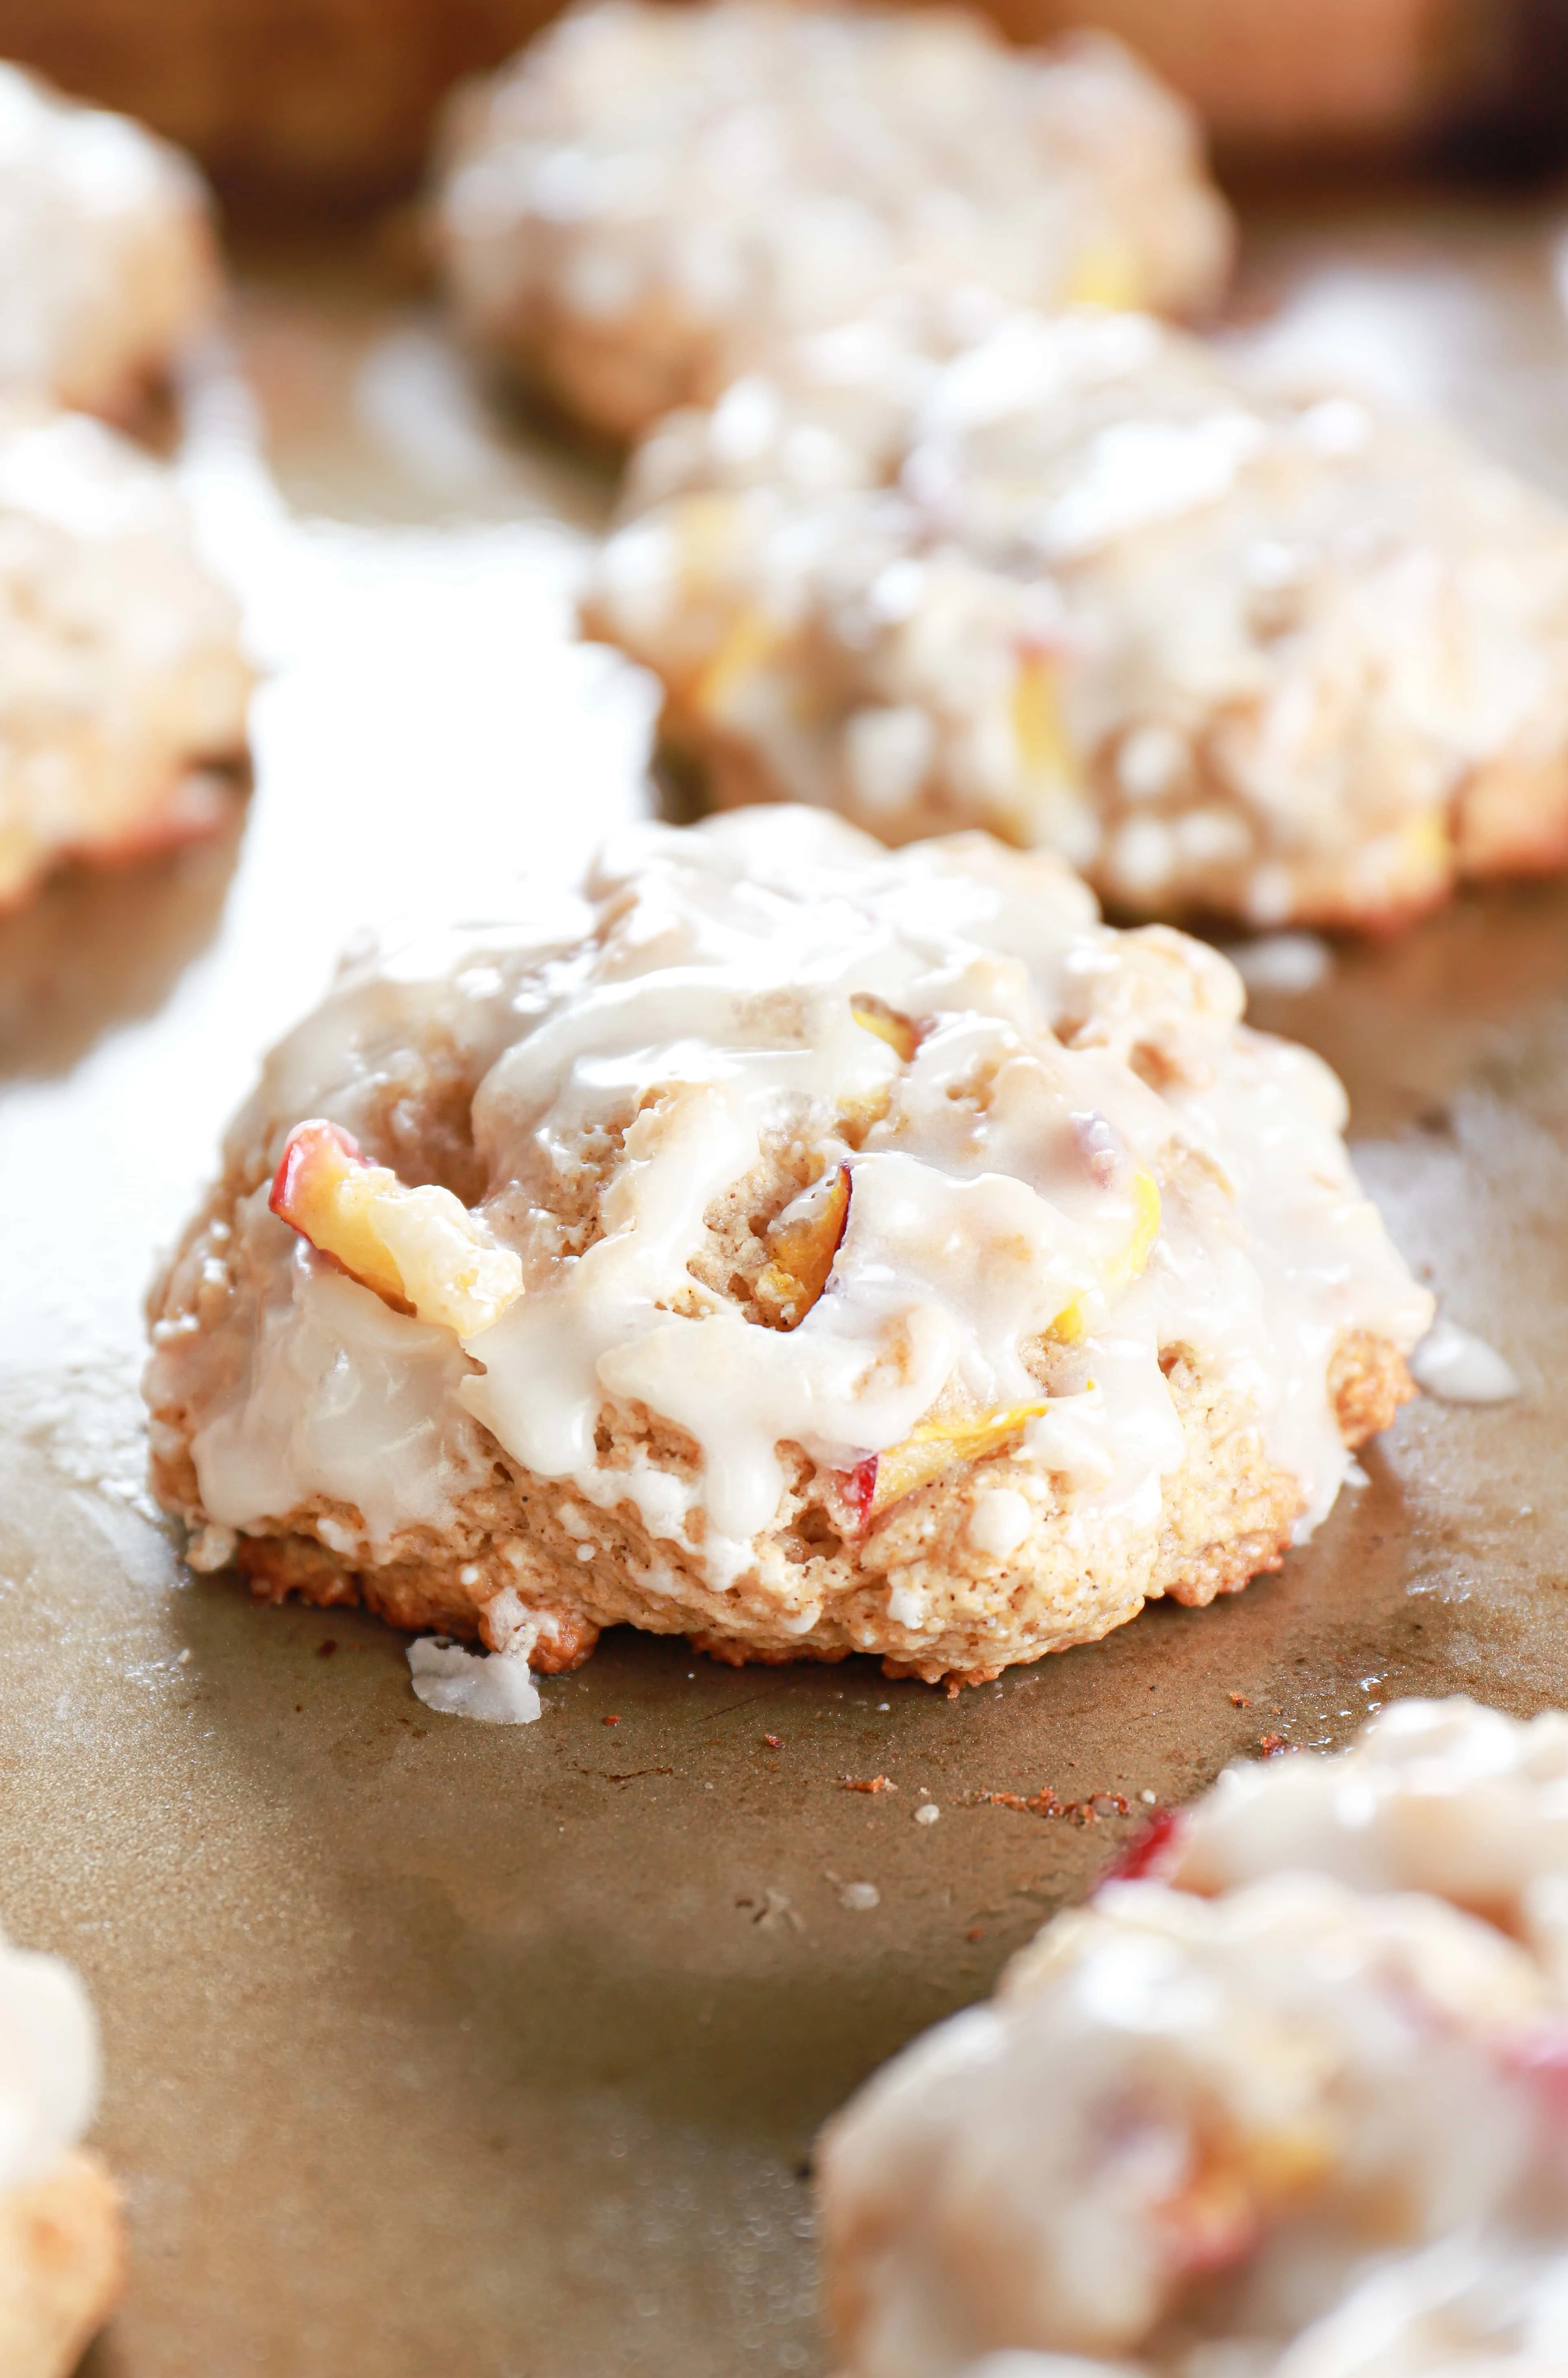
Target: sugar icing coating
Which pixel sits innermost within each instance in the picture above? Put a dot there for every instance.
(1021, 1176)
(48, 2064)
(107, 260)
(1090, 583)
(650, 195)
(1307, 2127)
(1460, 1368)
(120, 672)
(1441, 1796)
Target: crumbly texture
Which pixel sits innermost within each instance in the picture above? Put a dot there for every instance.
(110, 262)
(1232, 1520)
(953, 1579)
(62, 2266)
(649, 198)
(123, 689)
(1227, 1518)
(1235, 651)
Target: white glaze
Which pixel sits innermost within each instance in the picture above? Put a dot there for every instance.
(104, 244)
(1459, 1368)
(1166, 2085)
(493, 1687)
(1285, 634)
(48, 2063)
(1461, 2309)
(1309, 2127)
(699, 999)
(1287, 963)
(1442, 1796)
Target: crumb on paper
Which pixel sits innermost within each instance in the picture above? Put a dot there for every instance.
(1271, 1745)
(1043, 1802)
(1239, 1700)
(859, 1897)
(773, 1741)
(772, 1911)
(213, 1548)
(869, 1783)
(1459, 1368)
(497, 1688)
(927, 1813)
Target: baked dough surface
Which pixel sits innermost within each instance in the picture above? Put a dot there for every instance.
(1233, 649)
(882, 1255)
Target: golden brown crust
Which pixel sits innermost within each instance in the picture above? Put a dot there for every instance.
(62, 2265)
(955, 1679)
(1368, 1381)
(405, 1594)
(730, 1654)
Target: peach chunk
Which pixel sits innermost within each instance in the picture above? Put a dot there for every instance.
(1108, 271)
(949, 1433)
(1038, 730)
(1126, 1266)
(1108, 1160)
(419, 1249)
(804, 1250)
(1130, 1264)
(901, 1032)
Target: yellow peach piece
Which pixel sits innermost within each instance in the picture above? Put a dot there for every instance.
(1426, 842)
(1107, 272)
(1133, 1260)
(707, 531)
(901, 1032)
(1038, 726)
(743, 650)
(419, 1249)
(940, 1438)
(857, 1115)
(803, 1256)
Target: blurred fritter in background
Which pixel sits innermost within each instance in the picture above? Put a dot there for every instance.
(310, 105)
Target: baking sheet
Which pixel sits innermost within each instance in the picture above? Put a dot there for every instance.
(437, 2046)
